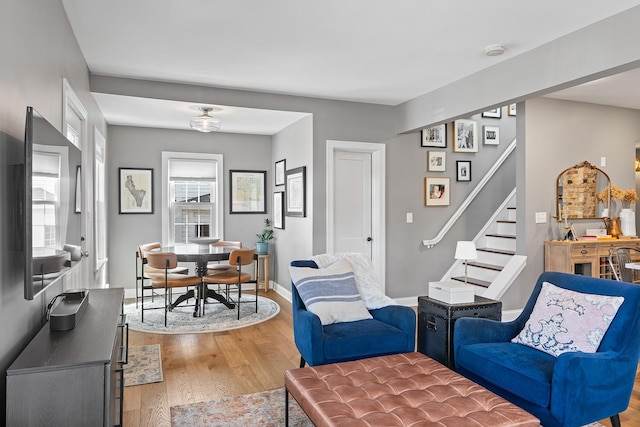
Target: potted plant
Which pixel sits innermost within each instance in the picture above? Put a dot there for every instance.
(262, 246)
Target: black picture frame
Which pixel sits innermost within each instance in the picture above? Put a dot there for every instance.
(279, 171)
(135, 190)
(434, 136)
(247, 192)
(296, 192)
(463, 170)
(494, 113)
(278, 210)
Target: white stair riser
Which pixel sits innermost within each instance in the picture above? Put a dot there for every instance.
(493, 258)
(501, 243)
(477, 273)
(511, 214)
(507, 228)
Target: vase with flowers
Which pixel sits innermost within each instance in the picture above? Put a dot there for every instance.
(621, 223)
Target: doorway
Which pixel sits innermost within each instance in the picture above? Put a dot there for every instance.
(356, 200)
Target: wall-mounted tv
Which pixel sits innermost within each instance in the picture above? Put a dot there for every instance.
(51, 204)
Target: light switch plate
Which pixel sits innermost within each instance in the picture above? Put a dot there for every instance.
(409, 217)
(541, 217)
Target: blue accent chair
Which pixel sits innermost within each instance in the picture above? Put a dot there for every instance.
(573, 389)
(392, 330)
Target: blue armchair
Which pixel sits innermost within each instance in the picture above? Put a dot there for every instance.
(392, 330)
(572, 389)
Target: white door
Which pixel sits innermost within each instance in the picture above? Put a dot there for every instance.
(356, 201)
(352, 206)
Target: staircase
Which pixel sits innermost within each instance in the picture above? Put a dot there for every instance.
(497, 265)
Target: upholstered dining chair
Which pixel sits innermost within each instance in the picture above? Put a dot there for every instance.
(144, 271)
(167, 261)
(220, 266)
(236, 277)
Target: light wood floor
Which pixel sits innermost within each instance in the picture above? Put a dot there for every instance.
(201, 367)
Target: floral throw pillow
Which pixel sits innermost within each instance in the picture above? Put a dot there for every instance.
(563, 320)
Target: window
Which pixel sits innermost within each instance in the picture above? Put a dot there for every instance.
(193, 206)
(46, 198)
(100, 191)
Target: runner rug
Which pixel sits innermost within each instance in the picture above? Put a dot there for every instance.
(144, 365)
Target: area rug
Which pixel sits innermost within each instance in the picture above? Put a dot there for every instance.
(180, 320)
(144, 365)
(264, 409)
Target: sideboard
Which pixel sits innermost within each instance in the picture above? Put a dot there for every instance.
(586, 257)
(75, 377)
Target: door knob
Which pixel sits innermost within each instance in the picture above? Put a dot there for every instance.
(369, 239)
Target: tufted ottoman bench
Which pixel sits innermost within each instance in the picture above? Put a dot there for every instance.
(398, 390)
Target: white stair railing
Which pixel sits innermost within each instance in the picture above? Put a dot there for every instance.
(429, 243)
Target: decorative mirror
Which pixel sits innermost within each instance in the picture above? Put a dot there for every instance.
(576, 190)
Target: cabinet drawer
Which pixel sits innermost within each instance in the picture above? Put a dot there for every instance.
(583, 251)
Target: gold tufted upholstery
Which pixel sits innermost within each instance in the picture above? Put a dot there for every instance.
(407, 389)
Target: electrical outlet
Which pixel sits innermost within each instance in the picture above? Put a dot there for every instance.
(409, 217)
(603, 161)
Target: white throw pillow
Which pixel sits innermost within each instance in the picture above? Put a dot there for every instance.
(330, 293)
(563, 320)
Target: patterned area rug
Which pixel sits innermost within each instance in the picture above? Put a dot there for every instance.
(264, 409)
(217, 317)
(145, 365)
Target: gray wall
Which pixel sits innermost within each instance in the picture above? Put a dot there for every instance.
(38, 51)
(135, 147)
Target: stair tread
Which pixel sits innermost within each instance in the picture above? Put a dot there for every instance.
(505, 221)
(473, 281)
(497, 251)
(504, 236)
(485, 265)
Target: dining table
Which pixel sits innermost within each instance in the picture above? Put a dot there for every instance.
(201, 255)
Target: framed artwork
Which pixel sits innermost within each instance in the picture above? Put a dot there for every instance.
(296, 192)
(136, 191)
(435, 136)
(278, 210)
(437, 191)
(495, 113)
(511, 110)
(281, 166)
(463, 170)
(78, 190)
(436, 161)
(465, 136)
(491, 135)
(248, 190)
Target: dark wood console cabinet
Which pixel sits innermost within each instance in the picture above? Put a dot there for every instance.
(75, 377)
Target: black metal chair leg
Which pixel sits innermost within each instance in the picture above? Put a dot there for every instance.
(302, 362)
(615, 420)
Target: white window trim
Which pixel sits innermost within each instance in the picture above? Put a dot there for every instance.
(166, 208)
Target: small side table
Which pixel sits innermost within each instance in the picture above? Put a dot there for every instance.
(436, 322)
(263, 279)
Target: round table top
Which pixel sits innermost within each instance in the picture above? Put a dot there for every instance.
(200, 253)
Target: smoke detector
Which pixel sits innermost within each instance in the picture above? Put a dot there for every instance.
(494, 50)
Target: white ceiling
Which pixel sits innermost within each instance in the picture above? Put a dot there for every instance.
(385, 52)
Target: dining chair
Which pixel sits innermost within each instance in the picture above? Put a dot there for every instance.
(167, 261)
(220, 266)
(623, 257)
(144, 271)
(236, 277)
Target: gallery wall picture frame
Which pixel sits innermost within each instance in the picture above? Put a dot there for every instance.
(511, 109)
(434, 136)
(495, 113)
(437, 191)
(436, 161)
(463, 170)
(296, 193)
(278, 210)
(465, 136)
(135, 190)
(281, 167)
(491, 135)
(247, 192)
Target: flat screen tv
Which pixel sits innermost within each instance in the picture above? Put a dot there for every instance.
(52, 218)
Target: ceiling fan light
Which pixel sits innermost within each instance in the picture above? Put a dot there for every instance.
(204, 122)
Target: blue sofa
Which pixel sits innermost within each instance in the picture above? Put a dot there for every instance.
(573, 389)
(392, 330)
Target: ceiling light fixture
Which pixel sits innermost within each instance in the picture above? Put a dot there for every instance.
(204, 122)
(494, 50)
